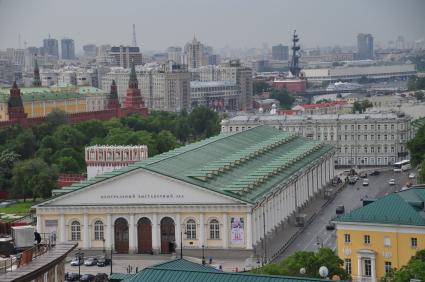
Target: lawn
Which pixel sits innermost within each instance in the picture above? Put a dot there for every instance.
(18, 208)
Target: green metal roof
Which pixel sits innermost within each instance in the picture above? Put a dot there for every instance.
(120, 276)
(244, 165)
(29, 94)
(401, 208)
(183, 270)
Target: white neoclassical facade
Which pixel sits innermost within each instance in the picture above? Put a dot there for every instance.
(217, 193)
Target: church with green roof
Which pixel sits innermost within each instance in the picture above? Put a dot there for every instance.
(223, 193)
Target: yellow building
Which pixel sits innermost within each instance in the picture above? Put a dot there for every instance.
(39, 101)
(382, 235)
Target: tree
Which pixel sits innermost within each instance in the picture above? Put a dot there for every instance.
(204, 122)
(33, 178)
(260, 86)
(417, 147)
(361, 106)
(311, 262)
(415, 269)
(68, 165)
(419, 95)
(165, 141)
(7, 160)
(282, 95)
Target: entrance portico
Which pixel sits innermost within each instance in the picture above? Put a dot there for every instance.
(366, 265)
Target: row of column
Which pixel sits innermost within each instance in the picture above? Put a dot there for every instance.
(63, 235)
(286, 201)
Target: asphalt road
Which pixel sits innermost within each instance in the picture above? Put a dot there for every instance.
(315, 235)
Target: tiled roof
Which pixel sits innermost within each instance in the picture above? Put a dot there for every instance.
(401, 208)
(244, 165)
(183, 270)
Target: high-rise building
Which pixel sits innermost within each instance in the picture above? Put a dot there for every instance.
(51, 47)
(90, 50)
(280, 52)
(175, 54)
(364, 46)
(195, 54)
(67, 49)
(123, 56)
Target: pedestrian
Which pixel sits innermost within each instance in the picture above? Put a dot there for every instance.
(37, 237)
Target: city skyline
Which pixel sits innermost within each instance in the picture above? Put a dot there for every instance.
(217, 23)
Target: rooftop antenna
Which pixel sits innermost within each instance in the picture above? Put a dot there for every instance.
(134, 36)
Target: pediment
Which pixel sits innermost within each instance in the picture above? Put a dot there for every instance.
(141, 187)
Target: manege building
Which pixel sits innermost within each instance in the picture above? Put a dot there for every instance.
(214, 193)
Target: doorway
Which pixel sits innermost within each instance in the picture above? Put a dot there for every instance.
(167, 235)
(121, 236)
(144, 236)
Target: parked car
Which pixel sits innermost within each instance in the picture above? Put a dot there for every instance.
(376, 172)
(340, 209)
(101, 277)
(412, 175)
(352, 180)
(103, 261)
(330, 226)
(365, 182)
(391, 182)
(72, 276)
(88, 277)
(76, 262)
(90, 261)
(363, 175)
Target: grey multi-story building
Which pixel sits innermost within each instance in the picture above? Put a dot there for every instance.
(163, 87)
(90, 50)
(175, 54)
(124, 56)
(67, 49)
(51, 47)
(280, 52)
(195, 54)
(218, 95)
(364, 46)
(369, 139)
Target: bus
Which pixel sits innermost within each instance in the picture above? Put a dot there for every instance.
(401, 166)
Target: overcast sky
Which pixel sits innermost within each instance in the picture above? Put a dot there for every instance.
(219, 23)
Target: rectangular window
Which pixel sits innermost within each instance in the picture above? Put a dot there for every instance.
(347, 238)
(413, 242)
(347, 264)
(366, 239)
(387, 241)
(388, 268)
(367, 267)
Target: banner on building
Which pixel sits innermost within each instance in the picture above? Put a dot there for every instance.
(238, 235)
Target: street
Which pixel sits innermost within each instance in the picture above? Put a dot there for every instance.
(315, 235)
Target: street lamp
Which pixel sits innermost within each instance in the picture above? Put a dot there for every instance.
(79, 254)
(203, 256)
(181, 243)
(302, 270)
(323, 271)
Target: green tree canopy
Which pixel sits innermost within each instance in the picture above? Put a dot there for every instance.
(285, 99)
(260, 86)
(417, 147)
(415, 269)
(361, 106)
(311, 262)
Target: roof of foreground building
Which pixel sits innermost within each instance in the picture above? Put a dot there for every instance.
(400, 208)
(244, 165)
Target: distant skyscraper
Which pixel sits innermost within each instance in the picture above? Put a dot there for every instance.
(195, 54)
(123, 56)
(68, 49)
(175, 54)
(90, 50)
(51, 47)
(364, 46)
(280, 52)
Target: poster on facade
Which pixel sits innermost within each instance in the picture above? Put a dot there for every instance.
(237, 236)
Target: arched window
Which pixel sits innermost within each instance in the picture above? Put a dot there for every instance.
(98, 230)
(214, 229)
(75, 231)
(191, 229)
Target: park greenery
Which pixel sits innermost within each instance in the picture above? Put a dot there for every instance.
(417, 151)
(310, 262)
(285, 99)
(416, 83)
(32, 158)
(260, 86)
(361, 106)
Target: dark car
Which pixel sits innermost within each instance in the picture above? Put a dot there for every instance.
(101, 277)
(330, 226)
(374, 173)
(363, 175)
(340, 209)
(72, 276)
(88, 277)
(102, 261)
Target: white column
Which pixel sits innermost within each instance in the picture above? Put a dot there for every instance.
(155, 234)
(86, 239)
(109, 231)
(39, 223)
(62, 229)
(201, 230)
(254, 230)
(131, 235)
(178, 228)
(225, 233)
(248, 231)
(359, 266)
(373, 266)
